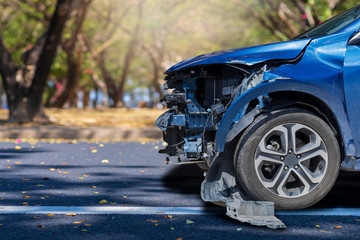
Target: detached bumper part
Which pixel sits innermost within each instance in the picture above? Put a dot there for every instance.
(219, 187)
(255, 213)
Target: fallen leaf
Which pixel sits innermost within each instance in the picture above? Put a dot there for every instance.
(93, 186)
(78, 222)
(85, 175)
(52, 169)
(42, 162)
(17, 162)
(113, 203)
(152, 221)
(103, 201)
(26, 196)
(65, 172)
(94, 151)
(26, 179)
(50, 214)
(338, 227)
(101, 145)
(238, 229)
(84, 230)
(164, 144)
(169, 216)
(64, 163)
(105, 161)
(40, 226)
(40, 185)
(317, 226)
(179, 239)
(70, 214)
(124, 196)
(189, 222)
(9, 167)
(88, 225)
(172, 228)
(17, 147)
(156, 224)
(156, 147)
(24, 192)
(142, 171)
(80, 178)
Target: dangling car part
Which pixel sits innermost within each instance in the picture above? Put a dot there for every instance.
(271, 124)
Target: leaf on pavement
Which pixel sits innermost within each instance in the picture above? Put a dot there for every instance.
(105, 161)
(189, 222)
(52, 169)
(81, 221)
(70, 214)
(40, 226)
(152, 221)
(172, 228)
(88, 225)
(94, 151)
(26, 196)
(40, 185)
(103, 201)
(50, 214)
(239, 229)
(96, 192)
(317, 226)
(17, 162)
(93, 186)
(17, 147)
(338, 227)
(84, 230)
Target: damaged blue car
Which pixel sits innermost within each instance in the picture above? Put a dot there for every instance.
(271, 123)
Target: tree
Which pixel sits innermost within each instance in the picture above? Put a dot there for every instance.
(74, 56)
(286, 19)
(24, 84)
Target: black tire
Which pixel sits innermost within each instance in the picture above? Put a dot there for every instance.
(301, 183)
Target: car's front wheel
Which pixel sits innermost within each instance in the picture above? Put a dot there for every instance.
(290, 157)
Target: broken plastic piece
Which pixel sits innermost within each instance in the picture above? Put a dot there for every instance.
(256, 213)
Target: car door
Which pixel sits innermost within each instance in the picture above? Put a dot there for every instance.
(351, 77)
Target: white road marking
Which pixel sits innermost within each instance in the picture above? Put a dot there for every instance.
(165, 210)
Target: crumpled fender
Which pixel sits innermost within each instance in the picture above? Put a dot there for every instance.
(247, 56)
(334, 104)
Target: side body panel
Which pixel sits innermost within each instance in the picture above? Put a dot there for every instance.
(352, 91)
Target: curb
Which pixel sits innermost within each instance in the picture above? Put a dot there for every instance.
(48, 132)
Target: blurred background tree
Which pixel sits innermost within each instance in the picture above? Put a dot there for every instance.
(112, 53)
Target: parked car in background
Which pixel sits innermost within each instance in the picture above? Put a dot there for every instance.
(272, 122)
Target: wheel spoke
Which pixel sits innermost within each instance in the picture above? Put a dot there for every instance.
(277, 179)
(291, 136)
(313, 151)
(308, 181)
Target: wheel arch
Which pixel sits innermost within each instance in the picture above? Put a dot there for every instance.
(285, 93)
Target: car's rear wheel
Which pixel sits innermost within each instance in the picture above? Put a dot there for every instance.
(290, 157)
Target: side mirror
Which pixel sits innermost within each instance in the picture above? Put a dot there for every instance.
(355, 40)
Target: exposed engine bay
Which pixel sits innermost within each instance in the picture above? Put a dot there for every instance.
(198, 100)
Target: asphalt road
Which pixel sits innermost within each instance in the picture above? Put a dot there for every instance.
(133, 174)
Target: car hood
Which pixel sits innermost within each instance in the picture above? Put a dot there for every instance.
(248, 55)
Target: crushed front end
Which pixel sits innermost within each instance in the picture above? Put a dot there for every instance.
(198, 98)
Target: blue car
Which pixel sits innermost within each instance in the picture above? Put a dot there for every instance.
(273, 122)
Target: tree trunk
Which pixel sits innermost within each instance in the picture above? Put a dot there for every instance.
(24, 91)
(73, 74)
